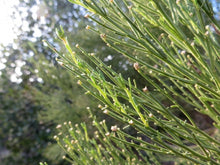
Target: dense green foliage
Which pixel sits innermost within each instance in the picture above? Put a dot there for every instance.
(43, 94)
(25, 136)
(20, 133)
(181, 64)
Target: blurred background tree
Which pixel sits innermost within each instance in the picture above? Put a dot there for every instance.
(35, 93)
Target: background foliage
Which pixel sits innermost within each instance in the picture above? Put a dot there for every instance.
(37, 94)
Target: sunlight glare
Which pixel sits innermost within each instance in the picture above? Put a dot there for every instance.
(6, 23)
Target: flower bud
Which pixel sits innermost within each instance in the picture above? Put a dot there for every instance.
(114, 128)
(87, 16)
(129, 7)
(59, 126)
(88, 27)
(105, 111)
(183, 52)
(131, 122)
(103, 36)
(145, 89)
(79, 82)
(136, 66)
(151, 115)
(177, 2)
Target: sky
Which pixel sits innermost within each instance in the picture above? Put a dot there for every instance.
(8, 33)
(6, 23)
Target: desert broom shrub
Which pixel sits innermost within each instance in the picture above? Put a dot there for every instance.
(101, 149)
(181, 64)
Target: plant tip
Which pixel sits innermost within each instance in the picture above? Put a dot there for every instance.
(129, 7)
(136, 66)
(87, 16)
(114, 128)
(177, 2)
(88, 27)
(105, 111)
(58, 126)
(145, 89)
(131, 122)
(79, 82)
(151, 115)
